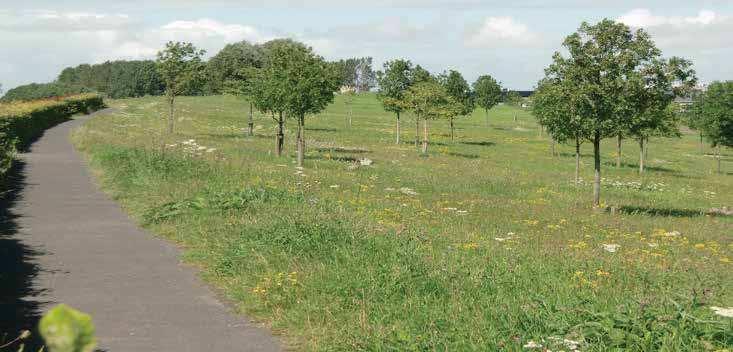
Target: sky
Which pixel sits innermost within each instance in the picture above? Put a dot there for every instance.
(511, 40)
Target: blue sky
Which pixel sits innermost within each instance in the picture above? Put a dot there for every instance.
(512, 41)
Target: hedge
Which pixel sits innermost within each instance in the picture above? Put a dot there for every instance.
(22, 122)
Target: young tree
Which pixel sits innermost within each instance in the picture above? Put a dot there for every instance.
(349, 96)
(393, 83)
(420, 75)
(555, 109)
(513, 98)
(652, 91)
(487, 93)
(297, 82)
(457, 88)
(232, 71)
(714, 110)
(180, 67)
(428, 101)
(602, 59)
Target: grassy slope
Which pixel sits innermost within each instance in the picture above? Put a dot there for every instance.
(341, 259)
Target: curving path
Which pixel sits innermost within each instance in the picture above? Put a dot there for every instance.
(87, 253)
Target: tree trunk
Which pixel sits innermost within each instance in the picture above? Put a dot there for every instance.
(702, 146)
(577, 160)
(646, 148)
(280, 138)
(540, 128)
(251, 123)
(417, 131)
(618, 151)
(351, 113)
(487, 118)
(171, 100)
(641, 155)
(720, 171)
(552, 146)
(301, 139)
(597, 168)
(398, 128)
(425, 138)
(452, 139)
(515, 117)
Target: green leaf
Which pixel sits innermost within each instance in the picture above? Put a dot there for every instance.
(68, 330)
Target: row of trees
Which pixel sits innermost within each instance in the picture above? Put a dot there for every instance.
(286, 79)
(613, 83)
(404, 87)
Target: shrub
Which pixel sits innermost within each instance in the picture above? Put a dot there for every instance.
(21, 122)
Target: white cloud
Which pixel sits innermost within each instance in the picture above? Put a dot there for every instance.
(46, 20)
(643, 18)
(501, 31)
(208, 28)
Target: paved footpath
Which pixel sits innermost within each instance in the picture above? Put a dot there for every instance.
(94, 258)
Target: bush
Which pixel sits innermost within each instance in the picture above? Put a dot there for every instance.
(21, 122)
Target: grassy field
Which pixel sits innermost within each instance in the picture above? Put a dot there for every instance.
(483, 244)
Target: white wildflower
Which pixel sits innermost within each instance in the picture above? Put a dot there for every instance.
(532, 344)
(723, 312)
(408, 191)
(334, 186)
(611, 248)
(210, 150)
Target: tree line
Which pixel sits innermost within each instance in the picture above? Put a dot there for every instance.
(138, 78)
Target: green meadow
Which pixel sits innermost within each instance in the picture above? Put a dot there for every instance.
(485, 243)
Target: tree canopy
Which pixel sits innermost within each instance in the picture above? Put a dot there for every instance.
(229, 71)
(713, 112)
(357, 73)
(457, 87)
(487, 92)
(600, 79)
(394, 81)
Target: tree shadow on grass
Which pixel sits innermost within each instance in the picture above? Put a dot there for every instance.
(572, 155)
(19, 310)
(635, 166)
(321, 129)
(341, 158)
(480, 144)
(661, 212)
(238, 135)
(342, 150)
(463, 155)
